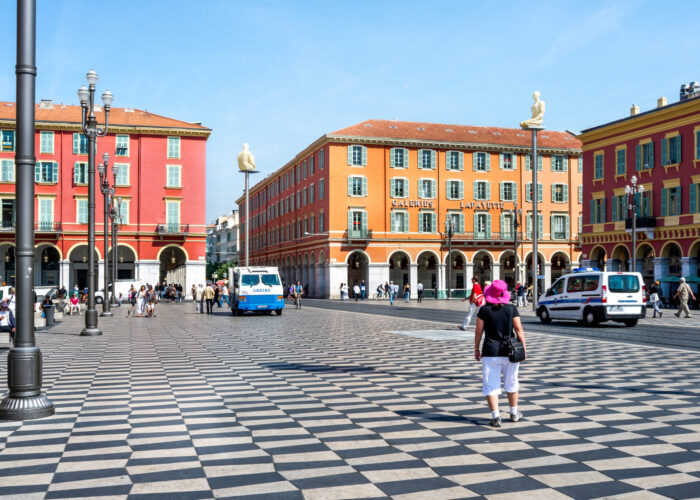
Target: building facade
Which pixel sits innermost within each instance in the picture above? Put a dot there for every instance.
(661, 147)
(161, 181)
(222, 239)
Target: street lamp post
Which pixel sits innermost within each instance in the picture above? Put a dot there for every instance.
(246, 165)
(115, 214)
(631, 193)
(516, 224)
(107, 193)
(92, 132)
(449, 232)
(25, 400)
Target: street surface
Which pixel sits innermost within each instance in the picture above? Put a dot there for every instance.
(324, 403)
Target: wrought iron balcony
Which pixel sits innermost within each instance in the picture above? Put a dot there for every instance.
(48, 227)
(359, 234)
(642, 223)
(172, 229)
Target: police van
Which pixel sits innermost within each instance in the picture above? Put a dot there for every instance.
(591, 297)
(256, 289)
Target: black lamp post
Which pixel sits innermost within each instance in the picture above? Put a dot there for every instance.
(115, 215)
(631, 193)
(449, 232)
(25, 401)
(107, 193)
(92, 132)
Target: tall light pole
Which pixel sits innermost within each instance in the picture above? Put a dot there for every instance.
(631, 193)
(107, 193)
(25, 400)
(516, 224)
(449, 232)
(115, 215)
(246, 165)
(92, 132)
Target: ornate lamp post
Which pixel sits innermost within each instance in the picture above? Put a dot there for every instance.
(115, 215)
(92, 132)
(632, 205)
(449, 232)
(246, 165)
(107, 193)
(516, 224)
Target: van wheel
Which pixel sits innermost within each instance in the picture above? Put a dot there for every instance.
(589, 317)
(98, 300)
(278, 312)
(544, 316)
(630, 322)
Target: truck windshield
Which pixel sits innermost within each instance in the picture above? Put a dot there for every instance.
(623, 283)
(270, 279)
(250, 279)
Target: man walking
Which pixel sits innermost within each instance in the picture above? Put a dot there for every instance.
(683, 293)
(209, 296)
(419, 289)
(520, 292)
(363, 289)
(392, 293)
(199, 298)
(476, 299)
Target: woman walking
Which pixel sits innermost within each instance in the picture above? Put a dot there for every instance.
(498, 318)
(406, 292)
(655, 297)
(141, 301)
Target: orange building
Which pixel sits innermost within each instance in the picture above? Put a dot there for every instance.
(370, 202)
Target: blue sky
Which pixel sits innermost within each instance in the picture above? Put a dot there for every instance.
(280, 74)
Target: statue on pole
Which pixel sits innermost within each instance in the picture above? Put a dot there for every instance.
(246, 160)
(537, 113)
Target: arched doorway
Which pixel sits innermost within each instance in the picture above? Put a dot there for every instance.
(399, 269)
(540, 271)
(645, 257)
(172, 266)
(322, 292)
(358, 265)
(560, 265)
(305, 275)
(47, 262)
(457, 265)
(78, 271)
(507, 262)
(428, 272)
(126, 263)
(598, 258)
(620, 259)
(312, 276)
(482, 267)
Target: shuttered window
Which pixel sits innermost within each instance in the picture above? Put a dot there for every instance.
(81, 211)
(46, 172)
(46, 142)
(481, 162)
(508, 191)
(482, 190)
(357, 186)
(7, 174)
(621, 162)
(598, 162)
(357, 155)
(80, 144)
(455, 189)
(399, 221)
(426, 159)
(122, 145)
(427, 188)
(173, 147)
(454, 160)
(398, 187)
(560, 163)
(482, 225)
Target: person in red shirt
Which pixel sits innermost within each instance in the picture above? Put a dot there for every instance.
(476, 300)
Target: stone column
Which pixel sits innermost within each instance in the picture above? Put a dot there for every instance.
(149, 272)
(689, 267)
(64, 274)
(441, 282)
(337, 274)
(195, 272)
(612, 265)
(661, 271)
(377, 273)
(495, 271)
(547, 275)
(413, 278)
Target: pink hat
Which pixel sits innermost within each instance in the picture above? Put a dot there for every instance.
(497, 293)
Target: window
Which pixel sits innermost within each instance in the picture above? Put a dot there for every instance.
(81, 211)
(509, 191)
(304, 169)
(426, 158)
(357, 156)
(482, 226)
(399, 221)
(598, 211)
(304, 196)
(481, 162)
(540, 225)
(8, 213)
(7, 171)
(582, 283)
(644, 156)
(173, 147)
(455, 190)
(427, 188)
(122, 174)
(507, 229)
(298, 200)
(457, 220)
(357, 224)
(399, 187)
(80, 172)
(321, 189)
(560, 163)
(311, 166)
(173, 179)
(508, 161)
(172, 215)
(80, 144)
(528, 160)
(528, 192)
(398, 158)
(312, 193)
(671, 201)
(454, 160)
(645, 205)
(620, 163)
(321, 160)
(46, 143)
(560, 227)
(312, 224)
(321, 222)
(580, 193)
(598, 172)
(46, 171)
(122, 147)
(482, 190)
(45, 213)
(693, 192)
(560, 193)
(427, 222)
(619, 208)
(357, 186)
(580, 163)
(671, 150)
(8, 140)
(623, 283)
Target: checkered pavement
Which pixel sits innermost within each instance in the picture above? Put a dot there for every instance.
(330, 404)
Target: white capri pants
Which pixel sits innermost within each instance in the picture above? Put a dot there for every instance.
(492, 368)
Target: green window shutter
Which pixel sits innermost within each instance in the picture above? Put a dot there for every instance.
(638, 157)
(476, 190)
(678, 148)
(349, 220)
(420, 185)
(528, 159)
(553, 191)
(37, 172)
(349, 153)
(433, 159)
(664, 151)
(420, 158)
(350, 185)
(76, 143)
(638, 203)
(568, 227)
(433, 186)
(528, 223)
(552, 163)
(539, 193)
(488, 162)
(528, 192)
(392, 157)
(604, 210)
(664, 211)
(364, 221)
(502, 224)
(474, 160)
(566, 163)
(488, 225)
(434, 224)
(448, 191)
(500, 185)
(364, 186)
(515, 191)
(500, 161)
(614, 209)
(540, 226)
(697, 144)
(678, 201)
(551, 227)
(460, 185)
(692, 195)
(75, 173)
(592, 221)
(514, 161)
(539, 162)
(392, 187)
(651, 154)
(461, 223)
(54, 173)
(475, 228)
(405, 157)
(460, 155)
(566, 193)
(405, 222)
(364, 155)
(488, 190)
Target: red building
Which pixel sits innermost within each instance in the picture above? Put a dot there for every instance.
(161, 180)
(661, 147)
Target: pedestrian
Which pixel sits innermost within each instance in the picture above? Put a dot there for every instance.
(209, 296)
(419, 289)
(683, 293)
(120, 299)
(406, 292)
(498, 319)
(193, 291)
(12, 302)
(216, 296)
(655, 297)
(63, 294)
(74, 304)
(298, 292)
(199, 298)
(380, 291)
(363, 289)
(132, 301)
(356, 291)
(224, 297)
(344, 291)
(392, 294)
(7, 319)
(141, 302)
(476, 300)
(520, 292)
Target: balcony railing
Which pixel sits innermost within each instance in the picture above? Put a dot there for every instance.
(48, 227)
(642, 222)
(172, 228)
(359, 234)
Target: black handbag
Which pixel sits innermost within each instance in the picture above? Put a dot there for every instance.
(516, 349)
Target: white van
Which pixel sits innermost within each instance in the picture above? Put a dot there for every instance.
(591, 297)
(256, 289)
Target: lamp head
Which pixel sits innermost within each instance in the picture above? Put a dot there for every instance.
(627, 190)
(83, 95)
(101, 169)
(91, 77)
(119, 203)
(640, 189)
(633, 180)
(115, 170)
(107, 99)
(105, 158)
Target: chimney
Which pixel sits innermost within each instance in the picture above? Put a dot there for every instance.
(661, 102)
(634, 110)
(46, 104)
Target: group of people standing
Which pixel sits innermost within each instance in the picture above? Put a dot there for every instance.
(208, 296)
(142, 301)
(169, 293)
